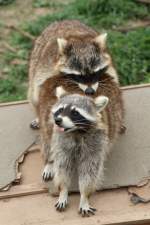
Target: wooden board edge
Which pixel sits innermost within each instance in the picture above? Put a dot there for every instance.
(14, 103)
(23, 190)
(136, 86)
(122, 88)
(131, 222)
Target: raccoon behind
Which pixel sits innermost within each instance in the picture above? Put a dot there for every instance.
(71, 48)
(79, 145)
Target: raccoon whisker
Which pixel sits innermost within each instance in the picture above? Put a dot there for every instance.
(78, 121)
(82, 128)
(81, 124)
(68, 81)
(71, 82)
(82, 120)
(104, 83)
(106, 79)
(85, 125)
(105, 87)
(71, 129)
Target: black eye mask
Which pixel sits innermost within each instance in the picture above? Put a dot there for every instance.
(76, 117)
(57, 113)
(84, 79)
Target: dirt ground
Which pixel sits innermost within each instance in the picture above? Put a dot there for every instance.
(15, 14)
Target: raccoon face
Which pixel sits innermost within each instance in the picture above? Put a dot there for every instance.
(84, 61)
(69, 117)
(76, 112)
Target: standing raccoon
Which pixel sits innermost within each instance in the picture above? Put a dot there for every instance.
(113, 114)
(79, 145)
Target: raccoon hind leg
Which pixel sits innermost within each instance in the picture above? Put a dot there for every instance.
(33, 96)
(62, 183)
(62, 202)
(84, 208)
(87, 186)
(90, 170)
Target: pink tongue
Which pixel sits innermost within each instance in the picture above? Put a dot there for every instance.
(61, 129)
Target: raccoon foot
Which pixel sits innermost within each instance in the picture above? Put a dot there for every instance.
(48, 172)
(122, 129)
(35, 124)
(85, 209)
(62, 201)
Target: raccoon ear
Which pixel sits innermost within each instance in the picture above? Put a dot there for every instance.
(60, 92)
(101, 102)
(61, 44)
(101, 40)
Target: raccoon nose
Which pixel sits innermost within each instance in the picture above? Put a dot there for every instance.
(58, 120)
(89, 91)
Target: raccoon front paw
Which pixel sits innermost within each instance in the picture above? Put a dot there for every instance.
(35, 124)
(87, 211)
(122, 129)
(62, 202)
(61, 205)
(48, 172)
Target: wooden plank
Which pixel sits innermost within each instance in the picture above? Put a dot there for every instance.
(35, 207)
(29, 203)
(113, 207)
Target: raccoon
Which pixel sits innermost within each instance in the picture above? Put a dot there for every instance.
(114, 111)
(79, 145)
(72, 49)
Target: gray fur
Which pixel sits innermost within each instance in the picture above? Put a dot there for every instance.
(81, 152)
(83, 57)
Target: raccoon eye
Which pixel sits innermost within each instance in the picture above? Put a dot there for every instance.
(75, 113)
(60, 110)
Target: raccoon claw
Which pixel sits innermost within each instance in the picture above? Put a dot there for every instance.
(122, 129)
(35, 124)
(46, 177)
(47, 173)
(87, 212)
(61, 206)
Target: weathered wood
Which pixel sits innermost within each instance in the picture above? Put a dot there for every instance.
(23, 190)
